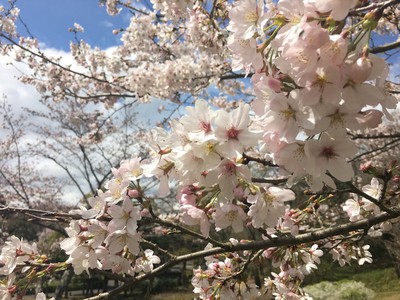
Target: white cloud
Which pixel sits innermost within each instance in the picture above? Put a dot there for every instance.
(108, 24)
(20, 95)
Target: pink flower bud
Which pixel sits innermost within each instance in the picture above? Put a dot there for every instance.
(12, 289)
(360, 70)
(396, 179)
(274, 84)
(83, 227)
(133, 193)
(145, 213)
(365, 167)
(269, 252)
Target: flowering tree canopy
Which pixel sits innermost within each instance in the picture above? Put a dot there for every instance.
(264, 95)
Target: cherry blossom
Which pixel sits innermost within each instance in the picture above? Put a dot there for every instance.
(233, 130)
(120, 239)
(124, 217)
(352, 208)
(329, 154)
(192, 215)
(246, 18)
(268, 206)
(229, 215)
(146, 262)
(337, 9)
(15, 252)
(231, 146)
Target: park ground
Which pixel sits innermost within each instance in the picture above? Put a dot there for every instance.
(384, 282)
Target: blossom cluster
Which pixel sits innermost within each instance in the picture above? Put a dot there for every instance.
(19, 264)
(358, 208)
(7, 20)
(107, 236)
(220, 281)
(313, 79)
(294, 264)
(310, 82)
(203, 153)
(155, 59)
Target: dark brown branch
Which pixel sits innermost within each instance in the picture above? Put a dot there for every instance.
(381, 5)
(186, 231)
(269, 180)
(68, 172)
(39, 214)
(88, 164)
(379, 149)
(309, 237)
(38, 221)
(262, 161)
(375, 136)
(385, 48)
(235, 76)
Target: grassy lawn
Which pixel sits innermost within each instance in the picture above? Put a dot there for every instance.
(388, 296)
(380, 281)
(383, 282)
(174, 296)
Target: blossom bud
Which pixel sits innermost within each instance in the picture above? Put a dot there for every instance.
(344, 34)
(268, 253)
(83, 228)
(51, 267)
(133, 193)
(164, 151)
(274, 84)
(371, 20)
(12, 289)
(393, 165)
(396, 179)
(145, 213)
(368, 168)
(360, 70)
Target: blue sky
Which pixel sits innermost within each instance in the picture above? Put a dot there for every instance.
(49, 20)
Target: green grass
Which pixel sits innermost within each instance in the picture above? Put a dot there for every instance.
(384, 282)
(381, 280)
(174, 296)
(388, 296)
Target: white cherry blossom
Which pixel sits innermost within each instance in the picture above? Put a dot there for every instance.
(329, 154)
(146, 262)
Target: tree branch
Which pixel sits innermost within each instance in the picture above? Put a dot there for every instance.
(386, 47)
(285, 241)
(269, 180)
(39, 214)
(375, 136)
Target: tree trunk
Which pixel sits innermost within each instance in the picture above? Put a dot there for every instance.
(391, 240)
(65, 280)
